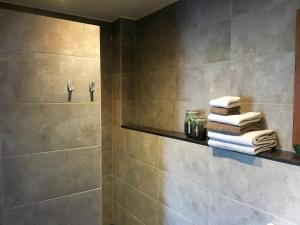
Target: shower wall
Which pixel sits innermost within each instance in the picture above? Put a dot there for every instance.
(194, 51)
(186, 54)
(50, 147)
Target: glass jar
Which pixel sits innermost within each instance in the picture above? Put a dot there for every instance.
(195, 125)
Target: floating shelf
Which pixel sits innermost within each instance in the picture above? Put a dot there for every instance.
(274, 155)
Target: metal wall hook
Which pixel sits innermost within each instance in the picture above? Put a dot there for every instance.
(92, 86)
(70, 87)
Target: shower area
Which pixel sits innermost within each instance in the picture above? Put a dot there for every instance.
(50, 135)
(92, 115)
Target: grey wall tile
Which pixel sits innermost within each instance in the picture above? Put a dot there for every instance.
(107, 163)
(143, 177)
(40, 77)
(208, 45)
(275, 33)
(203, 82)
(107, 213)
(123, 217)
(186, 198)
(119, 139)
(143, 147)
(120, 165)
(37, 177)
(225, 211)
(106, 112)
(193, 15)
(246, 6)
(107, 188)
(30, 128)
(18, 34)
(106, 137)
(141, 206)
(170, 217)
(83, 208)
(266, 185)
(163, 85)
(119, 190)
(186, 160)
(264, 80)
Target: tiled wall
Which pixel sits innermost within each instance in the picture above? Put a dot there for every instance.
(186, 54)
(194, 51)
(106, 121)
(162, 181)
(51, 158)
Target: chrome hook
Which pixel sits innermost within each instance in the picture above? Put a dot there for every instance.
(70, 86)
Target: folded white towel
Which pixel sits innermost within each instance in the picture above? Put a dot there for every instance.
(226, 102)
(251, 139)
(240, 148)
(236, 120)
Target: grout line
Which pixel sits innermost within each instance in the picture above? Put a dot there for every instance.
(49, 152)
(22, 51)
(253, 207)
(51, 199)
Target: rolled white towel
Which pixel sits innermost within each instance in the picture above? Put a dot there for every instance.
(236, 120)
(251, 139)
(240, 148)
(226, 102)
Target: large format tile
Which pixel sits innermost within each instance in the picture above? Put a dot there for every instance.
(170, 217)
(186, 160)
(225, 211)
(107, 213)
(141, 206)
(158, 85)
(264, 80)
(143, 177)
(83, 208)
(266, 185)
(188, 199)
(119, 139)
(31, 128)
(142, 146)
(193, 14)
(39, 77)
(204, 82)
(37, 177)
(123, 217)
(246, 6)
(274, 34)
(208, 45)
(107, 163)
(107, 188)
(120, 165)
(28, 32)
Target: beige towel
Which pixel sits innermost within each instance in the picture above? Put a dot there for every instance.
(225, 111)
(230, 129)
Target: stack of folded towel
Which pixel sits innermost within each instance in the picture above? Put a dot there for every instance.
(225, 106)
(240, 132)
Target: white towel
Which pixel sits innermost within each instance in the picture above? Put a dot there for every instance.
(226, 102)
(251, 139)
(236, 120)
(240, 148)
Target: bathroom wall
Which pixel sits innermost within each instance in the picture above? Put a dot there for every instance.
(50, 147)
(194, 51)
(187, 54)
(106, 121)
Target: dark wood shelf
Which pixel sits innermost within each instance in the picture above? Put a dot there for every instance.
(274, 155)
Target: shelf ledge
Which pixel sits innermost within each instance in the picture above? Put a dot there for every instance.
(274, 155)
